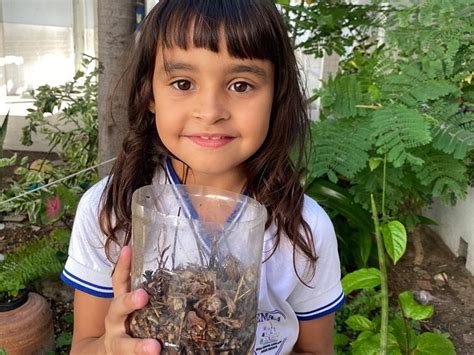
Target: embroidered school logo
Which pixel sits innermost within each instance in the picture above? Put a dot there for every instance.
(273, 315)
(269, 339)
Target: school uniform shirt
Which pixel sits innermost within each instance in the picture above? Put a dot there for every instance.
(283, 299)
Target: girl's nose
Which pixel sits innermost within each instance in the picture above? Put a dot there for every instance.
(211, 107)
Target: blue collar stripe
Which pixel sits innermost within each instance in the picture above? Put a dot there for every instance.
(190, 211)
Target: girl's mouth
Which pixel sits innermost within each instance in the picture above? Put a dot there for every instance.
(210, 140)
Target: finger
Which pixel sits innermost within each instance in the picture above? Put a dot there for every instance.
(123, 305)
(121, 276)
(136, 346)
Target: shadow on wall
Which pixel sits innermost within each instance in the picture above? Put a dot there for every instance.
(456, 227)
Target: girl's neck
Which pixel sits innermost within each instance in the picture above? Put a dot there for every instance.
(233, 181)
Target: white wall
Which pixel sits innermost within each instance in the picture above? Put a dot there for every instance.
(456, 227)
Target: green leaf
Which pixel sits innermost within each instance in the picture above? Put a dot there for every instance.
(395, 239)
(371, 345)
(64, 339)
(20, 171)
(339, 147)
(68, 318)
(62, 235)
(3, 351)
(426, 221)
(442, 174)
(3, 132)
(340, 339)
(433, 344)
(374, 163)
(404, 333)
(359, 279)
(334, 197)
(411, 309)
(453, 140)
(69, 198)
(362, 247)
(283, 2)
(397, 130)
(360, 323)
(24, 160)
(4, 162)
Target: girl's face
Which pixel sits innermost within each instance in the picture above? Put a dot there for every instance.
(212, 111)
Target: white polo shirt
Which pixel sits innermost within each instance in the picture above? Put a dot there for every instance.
(283, 299)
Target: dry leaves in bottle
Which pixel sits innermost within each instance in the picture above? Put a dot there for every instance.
(199, 310)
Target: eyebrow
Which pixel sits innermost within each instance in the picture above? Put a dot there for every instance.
(236, 69)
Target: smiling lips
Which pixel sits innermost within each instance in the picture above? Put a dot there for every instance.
(210, 140)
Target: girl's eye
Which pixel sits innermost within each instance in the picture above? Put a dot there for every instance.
(241, 86)
(182, 85)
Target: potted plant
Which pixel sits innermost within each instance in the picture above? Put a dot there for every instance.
(26, 323)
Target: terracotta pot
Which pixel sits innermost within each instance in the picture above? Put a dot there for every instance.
(27, 329)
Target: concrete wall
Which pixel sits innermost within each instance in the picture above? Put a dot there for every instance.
(456, 227)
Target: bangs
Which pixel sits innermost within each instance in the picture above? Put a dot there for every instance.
(248, 30)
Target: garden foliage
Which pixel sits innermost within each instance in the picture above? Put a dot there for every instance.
(33, 261)
(67, 116)
(410, 98)
(395, 131)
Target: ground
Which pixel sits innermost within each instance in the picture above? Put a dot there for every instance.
(446, 284)
(427, 266)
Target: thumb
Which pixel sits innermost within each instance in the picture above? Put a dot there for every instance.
(121, 276)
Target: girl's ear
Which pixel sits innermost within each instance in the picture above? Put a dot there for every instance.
(151, 106)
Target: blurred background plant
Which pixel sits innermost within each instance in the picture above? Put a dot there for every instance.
(34, 261)
(67, 116)
(3, 132)
(46, 191)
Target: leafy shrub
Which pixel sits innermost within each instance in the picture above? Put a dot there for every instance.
(67, 116)
(33, 261)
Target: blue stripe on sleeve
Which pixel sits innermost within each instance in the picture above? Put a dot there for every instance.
(87, 290)
(323, 311)
(74, 277)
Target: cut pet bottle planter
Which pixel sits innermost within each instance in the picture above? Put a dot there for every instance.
(197, 251)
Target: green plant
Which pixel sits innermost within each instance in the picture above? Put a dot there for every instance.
(349, 219)
(3, 132)
(319, 27)
(396, 131)
(64, 339)
(34, 261)
(389, 335)
(67, 115)
(411, 100)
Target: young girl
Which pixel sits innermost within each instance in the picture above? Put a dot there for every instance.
(215, 100)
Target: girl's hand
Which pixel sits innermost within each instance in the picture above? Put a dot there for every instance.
(116, 339)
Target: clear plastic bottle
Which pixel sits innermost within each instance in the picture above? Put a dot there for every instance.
(197, 251)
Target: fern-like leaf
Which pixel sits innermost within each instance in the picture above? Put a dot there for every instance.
(412, 86)
(33, 261)
(442, 172)
(397, 130)
(464, 120)
(341, 95)
(339, 147)
(453, 139)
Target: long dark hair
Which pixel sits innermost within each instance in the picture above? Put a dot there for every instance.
(253, 29)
